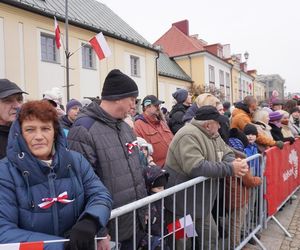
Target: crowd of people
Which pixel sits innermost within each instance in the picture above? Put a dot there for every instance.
(62, 171)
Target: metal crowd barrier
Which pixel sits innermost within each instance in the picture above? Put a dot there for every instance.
(230, 223)
(233, 229)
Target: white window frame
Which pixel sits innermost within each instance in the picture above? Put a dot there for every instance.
(88, 60)
(135, 66)
(51, 54)
(211, 74)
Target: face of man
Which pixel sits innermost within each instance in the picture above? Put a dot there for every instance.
(188, 100)
(73, 112)
(220, 109)
(253, 107)
(9, 107)
(125, 106)
(295, 115)
(152, 110)
(213, 127)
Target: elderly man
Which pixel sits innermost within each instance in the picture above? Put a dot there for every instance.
(198, 150)
(11, 98)
(152, 127)
(242, 115)
(108, 143)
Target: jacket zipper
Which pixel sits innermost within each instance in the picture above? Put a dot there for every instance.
(51, 179)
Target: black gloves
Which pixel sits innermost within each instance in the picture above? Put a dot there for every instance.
(291, 140)
(82, 235)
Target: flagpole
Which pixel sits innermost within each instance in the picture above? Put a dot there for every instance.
(67, 51)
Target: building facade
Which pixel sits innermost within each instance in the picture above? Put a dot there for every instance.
(271, 83)
(29, 57)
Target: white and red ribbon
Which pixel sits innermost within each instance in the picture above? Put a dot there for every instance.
(130, 146)
(48, 202)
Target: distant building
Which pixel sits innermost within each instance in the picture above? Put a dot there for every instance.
(204, 64)
(272, 82)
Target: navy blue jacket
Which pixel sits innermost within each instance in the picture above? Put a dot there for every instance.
(25, 180)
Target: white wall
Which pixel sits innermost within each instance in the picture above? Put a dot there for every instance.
(22, 83)
(140, 81)
(218, 64)
(50, 74)
(2, 50)
(89, 78)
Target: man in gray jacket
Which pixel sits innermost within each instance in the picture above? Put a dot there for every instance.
(198, 150)
(101, 135)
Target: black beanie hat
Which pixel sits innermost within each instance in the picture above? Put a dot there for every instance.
(117, 86)
(161, 181)
(250, 129)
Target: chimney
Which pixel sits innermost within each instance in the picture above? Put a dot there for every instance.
(183, 26)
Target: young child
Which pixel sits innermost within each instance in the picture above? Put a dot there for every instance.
(156, 180)
(239, 192)
(145, 154)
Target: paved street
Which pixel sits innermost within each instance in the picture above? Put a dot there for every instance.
(273, 237)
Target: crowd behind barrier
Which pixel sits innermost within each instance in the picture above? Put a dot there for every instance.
(236, 226)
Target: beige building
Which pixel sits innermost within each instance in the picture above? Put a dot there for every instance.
(29, 57)
(170, 78)
(259, 89)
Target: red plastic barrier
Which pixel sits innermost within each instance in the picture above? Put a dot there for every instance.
(282, 174)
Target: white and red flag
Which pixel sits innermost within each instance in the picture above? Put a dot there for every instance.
(23, 246)
(179, 228)
(57, 34)
(100, 46)
(48, 202)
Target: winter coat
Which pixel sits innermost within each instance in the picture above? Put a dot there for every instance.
(237, 189)
(156, 133)
(252, 149)
(278, 135)
(4, 130)
(295, 126)
(25, 181)
(241, 117)
(175, 117)
(65, 123)
(103, 140)
(193, 153)
(190, 113)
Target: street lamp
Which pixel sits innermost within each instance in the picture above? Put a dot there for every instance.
(246, 55)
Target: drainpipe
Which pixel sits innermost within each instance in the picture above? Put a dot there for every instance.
(156, 73)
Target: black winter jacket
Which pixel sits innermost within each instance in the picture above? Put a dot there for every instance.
(175, 117)
(102, 140)
(4, 130)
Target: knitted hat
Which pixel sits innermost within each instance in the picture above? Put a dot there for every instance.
(117, 86)
(8, 88)
(275, 116)
(250, 129)
(71, 104)
(180, 95)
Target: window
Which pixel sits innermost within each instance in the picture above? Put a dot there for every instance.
(211, 74)
(135, 66)
(88, 57)
(227, 83)
(221, 76)
(48, 49)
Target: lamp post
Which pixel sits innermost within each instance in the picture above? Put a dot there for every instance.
(246, 56)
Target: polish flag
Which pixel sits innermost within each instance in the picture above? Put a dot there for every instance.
(179, 228)
(23, 246)
(100, 46)
(57, 33)
(250, 86)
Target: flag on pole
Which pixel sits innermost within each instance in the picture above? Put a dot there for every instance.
(57, 33)
(179, 228)
(100, 46)
(23, 246)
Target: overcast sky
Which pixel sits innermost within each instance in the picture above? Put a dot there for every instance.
(268, 29)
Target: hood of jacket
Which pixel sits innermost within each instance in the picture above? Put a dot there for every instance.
(20, 156)
(65, 122)
(178, 107)
(242, 106)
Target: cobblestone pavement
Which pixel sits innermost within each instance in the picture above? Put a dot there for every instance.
(294, 229)
(273, 238)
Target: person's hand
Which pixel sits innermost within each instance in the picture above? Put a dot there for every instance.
(291, 140)
(104, 244)
(279, 144)
(240, 167)
(82, 235)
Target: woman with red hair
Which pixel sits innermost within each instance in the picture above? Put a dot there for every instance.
(48, 192)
